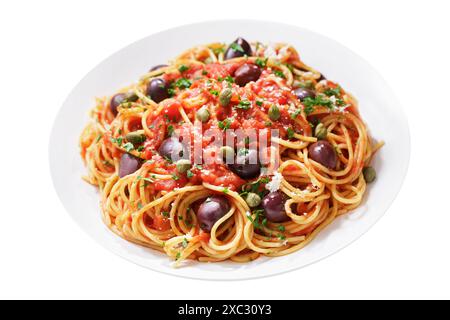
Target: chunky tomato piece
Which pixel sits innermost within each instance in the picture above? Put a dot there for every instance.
(161, 223)
(219, 175)
(216, 70)
(171, 110)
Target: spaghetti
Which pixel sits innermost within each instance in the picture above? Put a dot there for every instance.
(314, 170)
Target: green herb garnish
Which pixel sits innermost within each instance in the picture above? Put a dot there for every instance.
(170, 130)
(225, 124)
(237, 47)
(290, 133)
(183, 83)
(279, 73)
(244, 104)
(333, 92)
(183, 68)
(261, 62)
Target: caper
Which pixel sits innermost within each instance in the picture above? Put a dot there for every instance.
(369, 174)
(274, 113)
(253, 200)
(320, 132)
(225, 97)
(136, 137)
(227, 153)
(183, 165)
(203, 114)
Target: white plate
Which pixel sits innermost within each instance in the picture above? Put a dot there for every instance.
(378, 105)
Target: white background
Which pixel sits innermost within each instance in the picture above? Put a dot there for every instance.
(48, 46)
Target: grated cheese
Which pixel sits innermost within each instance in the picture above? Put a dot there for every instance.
(270, 52)
(275, 183)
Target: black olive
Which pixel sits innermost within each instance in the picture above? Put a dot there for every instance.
(239, 48)
(120, 98)
(159, 66)
(246, 73)
(322, 77)
(128, 164)
(323, 152)
(273, 205)
(303, 93)
(157, 90)
(246, 164)
(172, 149)
(211, 211)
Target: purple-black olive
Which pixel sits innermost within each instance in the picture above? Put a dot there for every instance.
(303, 93)
(157, 90)
(323, 152)
(273, 205)
(128, 164)
(234, 50)
(246, 73)
(246, 164)
(120, 98)
(172, 149)
(211, 211)
(322, 77)
(159, 66)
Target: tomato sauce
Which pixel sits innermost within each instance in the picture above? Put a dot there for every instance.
(197, 86)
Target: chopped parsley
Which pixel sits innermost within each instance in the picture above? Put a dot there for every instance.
(147, 181)
(309, 109)
(237, 47)
(171, 92)
(254, 187)
(333, 92)
(281, 228)
(165, 214)
(227, 78)
(214, 92)
(204, 72)
(244, 104)
(317, 101)
(296, 113)
(259, 103)
(225, 124)
(185, 243)
(98, 138)
(279, 73)
(183, 68)
(290, 133)
(243, 152)
(261, 62)
(170, 130)
(189, 174)
(256, 221)
(183, 83)
(117, 141)
(281, 237)
(175, 177)
(140, 148)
